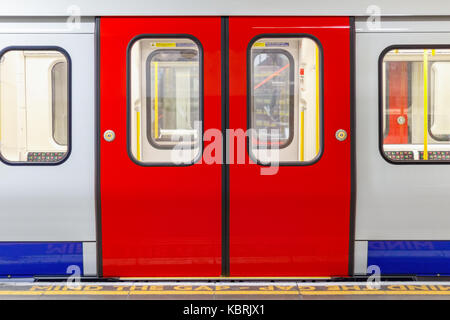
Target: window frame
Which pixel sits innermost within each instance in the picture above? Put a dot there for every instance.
(201, 97)
(148, 88)
(69, 104)
(258, 37)
(291, 90)
(380, 103)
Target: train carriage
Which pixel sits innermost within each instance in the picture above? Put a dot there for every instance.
(151, 140)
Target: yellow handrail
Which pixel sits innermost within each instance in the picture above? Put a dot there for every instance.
(302, 134)
(317, 101)
(156, 99)
(138, 137)
(425, 105)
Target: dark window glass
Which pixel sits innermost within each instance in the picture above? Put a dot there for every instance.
(273, 98)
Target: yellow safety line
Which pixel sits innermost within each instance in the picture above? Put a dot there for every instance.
(161, 292)
(425, 105)
(219, 292)
(156, 99)
(15, 292)
(373, 292)
(138, 137)
(317, 101)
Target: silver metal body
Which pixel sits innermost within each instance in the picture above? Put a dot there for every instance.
(394, 202)
(56, 203)
(217, 8)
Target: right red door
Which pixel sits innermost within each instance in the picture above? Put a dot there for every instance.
(290, 201)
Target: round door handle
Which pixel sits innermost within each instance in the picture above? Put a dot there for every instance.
(341, 135)
(109, 135)
(401, 120)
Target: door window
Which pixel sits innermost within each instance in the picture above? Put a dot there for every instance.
(285, 111)
(165, 101)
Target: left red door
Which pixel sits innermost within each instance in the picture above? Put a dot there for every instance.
(159, 218)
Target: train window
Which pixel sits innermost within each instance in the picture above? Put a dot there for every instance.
(414, 107)
(34, 106)
(165, 101)
(285, 111)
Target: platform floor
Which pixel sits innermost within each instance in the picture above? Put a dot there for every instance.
(223, 290)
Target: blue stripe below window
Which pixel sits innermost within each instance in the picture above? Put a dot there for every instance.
(40, 259)
(410, 257)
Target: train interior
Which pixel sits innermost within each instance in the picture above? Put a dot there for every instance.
(285, 100)
(33, 106)
(165, 99)
(409, 75)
